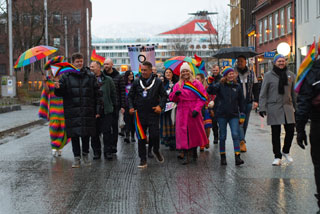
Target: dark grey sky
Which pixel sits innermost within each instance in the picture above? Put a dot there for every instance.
(132, 18)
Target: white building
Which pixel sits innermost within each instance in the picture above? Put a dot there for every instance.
(308, 26)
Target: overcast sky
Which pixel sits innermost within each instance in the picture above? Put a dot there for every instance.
(141, 18)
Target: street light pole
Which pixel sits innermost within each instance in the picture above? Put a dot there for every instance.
(46, 24)
(10, 37)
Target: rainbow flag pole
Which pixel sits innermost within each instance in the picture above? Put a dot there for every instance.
(139, 129)
(305, 66)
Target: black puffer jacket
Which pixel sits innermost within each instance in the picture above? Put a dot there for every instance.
(310, 89)
(80, 94)
(120, 88)
(231, 101)
(155, 96)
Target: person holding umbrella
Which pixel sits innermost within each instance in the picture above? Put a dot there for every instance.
(250, 89)
(277, 101)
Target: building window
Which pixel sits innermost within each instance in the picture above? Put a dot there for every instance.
(26, 19)
(75, 42)
(276, 23)
(56, 18)
(270, 27)
(3, 69)
(260, 32)
(265, 26)
(2, 48)
(318, 8)
(306, 10)
(282, 22)
(300, 11)
(76, 17)
(289, 23)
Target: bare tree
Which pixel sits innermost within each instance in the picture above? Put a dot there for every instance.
(180, 45)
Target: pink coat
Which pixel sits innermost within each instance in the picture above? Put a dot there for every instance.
(190, 131)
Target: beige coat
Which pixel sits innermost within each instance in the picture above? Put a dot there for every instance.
(279, 107)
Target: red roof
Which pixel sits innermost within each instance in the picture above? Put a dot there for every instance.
(195, 26)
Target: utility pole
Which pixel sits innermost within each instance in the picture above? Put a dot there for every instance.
(46, 24)
(79, 41)
(88, 38)
(10, 37)
(66, 36)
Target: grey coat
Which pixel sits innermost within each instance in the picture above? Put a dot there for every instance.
(279, 107)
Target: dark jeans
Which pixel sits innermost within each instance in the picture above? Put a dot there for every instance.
(76, 146)
(149, 122)
(244, 126)
(129, 120)
(215, 129)
(115, 129)
(276, 139)
(315, 151)
(234, 126)
(103, 125)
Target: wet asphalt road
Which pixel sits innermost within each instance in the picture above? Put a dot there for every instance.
(32, 181)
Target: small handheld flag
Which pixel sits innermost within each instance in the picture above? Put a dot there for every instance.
(139, 129)
(96, 57)
(65, 67)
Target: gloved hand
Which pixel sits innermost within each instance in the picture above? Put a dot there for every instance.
(177, 93)
(210, 79)
(194, 113)
(302, 139)
(262, 113)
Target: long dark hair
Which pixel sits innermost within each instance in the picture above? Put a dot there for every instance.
(126, 77)
(175, 78)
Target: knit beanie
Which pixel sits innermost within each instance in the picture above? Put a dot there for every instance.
(185, 66)
(276, 57)
(226, 70)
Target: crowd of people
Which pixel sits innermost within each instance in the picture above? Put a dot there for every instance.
(178, 111)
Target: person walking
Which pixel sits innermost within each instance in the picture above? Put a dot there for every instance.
(229, 111)
(167, 125)
(104, 122)
(51, 109)
(207, 122)
(128, 118)
(147, 98)
(110, 71)
(277, 101)
(80, 101)
(189, 94)
(215, 128)
(308, 107)
(250, 89)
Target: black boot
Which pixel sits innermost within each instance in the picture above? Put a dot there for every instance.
(194, 154)
(96, 155)
(223, 160)
(127, 139)
(186, 157)
(239, 161)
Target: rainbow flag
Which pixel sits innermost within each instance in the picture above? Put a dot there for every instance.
(191, 87)
(139, 130)
(65, 67)
(201, 65)
(305, 67)
(96, 57)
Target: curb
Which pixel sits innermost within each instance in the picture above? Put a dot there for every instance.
(17, 128)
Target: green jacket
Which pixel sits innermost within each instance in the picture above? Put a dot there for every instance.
(108, 94)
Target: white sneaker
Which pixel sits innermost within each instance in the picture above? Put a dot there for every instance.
(288, 157)
(59, 152)
(54, 153)
(276, 162)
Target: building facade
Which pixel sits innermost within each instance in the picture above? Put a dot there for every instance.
(236, 17)
(69, 30)
(307, 22)
(274, 25)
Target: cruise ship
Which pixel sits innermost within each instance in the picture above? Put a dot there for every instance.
(195, 36)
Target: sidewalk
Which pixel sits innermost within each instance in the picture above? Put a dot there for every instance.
(15, 119)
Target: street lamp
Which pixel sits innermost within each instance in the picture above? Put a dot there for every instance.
(283, 48)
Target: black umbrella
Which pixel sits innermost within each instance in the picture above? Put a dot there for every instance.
(234, 52)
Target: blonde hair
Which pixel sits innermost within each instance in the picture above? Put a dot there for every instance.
(191, 78)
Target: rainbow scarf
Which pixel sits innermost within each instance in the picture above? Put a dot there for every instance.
(191, 87)
(44, 106)
(139, 130)
(305, 67)
(96, 57)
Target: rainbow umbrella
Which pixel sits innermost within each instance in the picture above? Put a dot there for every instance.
(175, 63)
(34, 54)
(54, 60)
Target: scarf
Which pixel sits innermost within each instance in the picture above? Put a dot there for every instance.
(242, 71)
(283, 78)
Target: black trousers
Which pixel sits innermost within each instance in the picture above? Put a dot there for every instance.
(129, 120)
(215, 129)
(115, 130)
(150, 122)
(103, 125)
(315, 152)
(276, 139)
(76, 146)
